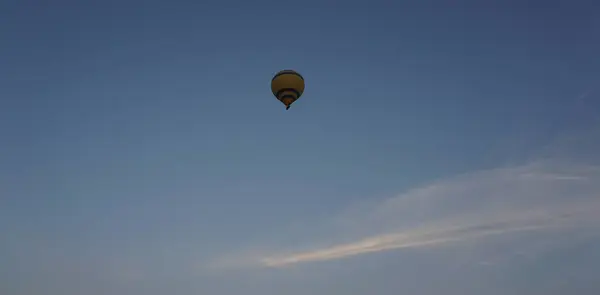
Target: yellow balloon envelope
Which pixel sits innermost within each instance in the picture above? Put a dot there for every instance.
(287, 86)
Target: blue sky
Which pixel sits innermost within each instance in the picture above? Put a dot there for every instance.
(141, 151)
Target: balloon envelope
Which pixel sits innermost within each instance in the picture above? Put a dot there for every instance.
(287, 86)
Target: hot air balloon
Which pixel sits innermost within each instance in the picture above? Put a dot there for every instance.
(287, 86)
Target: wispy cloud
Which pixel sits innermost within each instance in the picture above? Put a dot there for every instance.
(584, 95)
(435, 236)
(540, 196)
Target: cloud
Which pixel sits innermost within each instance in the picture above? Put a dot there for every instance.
(588, 92)
(544, 196)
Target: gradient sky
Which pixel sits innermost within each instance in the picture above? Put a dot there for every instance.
(141, 151)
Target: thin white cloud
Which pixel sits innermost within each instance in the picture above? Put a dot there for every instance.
(540, 196)
(427, 237)
(590, 90)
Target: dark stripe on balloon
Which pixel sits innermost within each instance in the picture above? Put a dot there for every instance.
(288, 96)
(286, 90)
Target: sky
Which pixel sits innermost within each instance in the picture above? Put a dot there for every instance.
(440, 147)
